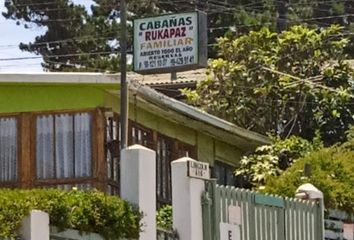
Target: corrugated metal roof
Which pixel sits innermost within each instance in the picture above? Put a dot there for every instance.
(69, 77)
(165, 79)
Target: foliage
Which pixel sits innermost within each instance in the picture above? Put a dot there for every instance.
(93, 211)
(332, 173)
(95, 31)
(272, 160)
(164, 217)
(292, 83)
(75, 40)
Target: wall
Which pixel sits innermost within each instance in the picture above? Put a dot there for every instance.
(209, 149)
(20, 97)
(227, 153)
(24, 98)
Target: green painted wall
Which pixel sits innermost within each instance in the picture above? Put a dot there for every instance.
(154, 122)
(227, 153)
(21, 98)
(208, 150)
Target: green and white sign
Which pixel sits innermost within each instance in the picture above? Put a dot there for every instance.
(170, 43)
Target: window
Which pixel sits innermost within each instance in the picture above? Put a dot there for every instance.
(140, 135)
(8, 149)
(168, 150)
(63, 145)
(164, 155)
(112, 147)
(224, 173)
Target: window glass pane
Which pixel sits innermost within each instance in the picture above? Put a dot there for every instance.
(111, 145)
(45, 147)
(230, 176)
(224, 173)
(8, 149)
(83, 146)
(219, 174)
(64, 146)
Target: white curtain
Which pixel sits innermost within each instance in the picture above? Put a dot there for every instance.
(72, 143)
(8, 149)
(83, 144)
(64, 146)
(45, 147)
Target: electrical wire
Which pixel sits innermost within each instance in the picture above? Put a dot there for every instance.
(57, 56)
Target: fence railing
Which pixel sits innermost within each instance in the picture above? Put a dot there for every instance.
(259, 216)
(71, 234)
(166, 235)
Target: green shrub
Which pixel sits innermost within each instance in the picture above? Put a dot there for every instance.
(164, 217)
(272, 160)
(332, 173)
(92, 211)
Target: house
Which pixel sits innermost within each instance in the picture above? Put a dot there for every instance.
(62, 130)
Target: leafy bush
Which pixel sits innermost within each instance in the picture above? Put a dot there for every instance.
(272, 160)
(164, 217)
(332, 173)
(92, 211)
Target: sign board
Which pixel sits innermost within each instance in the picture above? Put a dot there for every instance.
(198, 170)
(235, 216)
(229, 232)
(170, 43)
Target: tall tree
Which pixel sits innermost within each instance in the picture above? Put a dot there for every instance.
(80, 41)
(291, 83)
(72, 32)
(74, 40)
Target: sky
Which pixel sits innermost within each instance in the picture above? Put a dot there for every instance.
(12, 35)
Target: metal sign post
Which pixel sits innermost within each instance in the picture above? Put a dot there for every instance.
(123, 76)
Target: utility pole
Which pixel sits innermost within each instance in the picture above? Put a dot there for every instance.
(123, 76)
(282, 9)
(201, 5)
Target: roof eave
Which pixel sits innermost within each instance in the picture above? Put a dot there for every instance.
(161, 100)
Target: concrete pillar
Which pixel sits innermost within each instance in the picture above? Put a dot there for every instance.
(138, 185)
(35, 226)
(186, 201)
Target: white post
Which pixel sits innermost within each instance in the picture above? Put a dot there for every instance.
(309, 192)
(186, 198)
(35, 226)
(138, 185)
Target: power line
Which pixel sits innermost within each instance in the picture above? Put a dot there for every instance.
(293, 21)
(85, 37)
(57, 56)
(305, 80)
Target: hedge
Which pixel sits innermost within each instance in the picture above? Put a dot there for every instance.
(332, 173)
(91, 211)
(164, 218)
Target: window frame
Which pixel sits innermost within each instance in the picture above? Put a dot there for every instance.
(113, 187)
(224, 166)
(176, 147)
(36, 182)
(15, 183)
